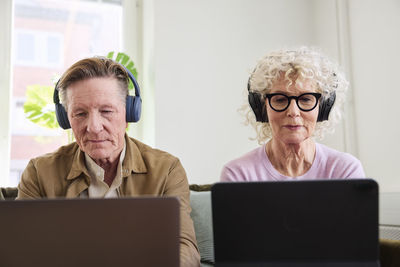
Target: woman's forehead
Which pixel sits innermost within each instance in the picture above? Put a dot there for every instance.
(294, 84)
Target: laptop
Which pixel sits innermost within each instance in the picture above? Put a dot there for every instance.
(324, 223)
(90, 232)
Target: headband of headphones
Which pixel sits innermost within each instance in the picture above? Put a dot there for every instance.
(133, 105)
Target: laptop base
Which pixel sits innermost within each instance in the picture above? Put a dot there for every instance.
(298, 264)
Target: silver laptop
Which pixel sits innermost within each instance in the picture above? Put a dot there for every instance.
(324, 223)
(90, 232)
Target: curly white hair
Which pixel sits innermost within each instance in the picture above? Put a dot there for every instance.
(299, 64)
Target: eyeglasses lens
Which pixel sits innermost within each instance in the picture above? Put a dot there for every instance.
(305, 102)
(279, 102)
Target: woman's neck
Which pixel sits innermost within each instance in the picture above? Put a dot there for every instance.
(291, 159)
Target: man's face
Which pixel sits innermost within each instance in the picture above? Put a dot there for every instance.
(96, 113)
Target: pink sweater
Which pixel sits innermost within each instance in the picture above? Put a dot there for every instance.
(328, 164)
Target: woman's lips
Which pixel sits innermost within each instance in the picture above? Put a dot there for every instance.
(293, 127)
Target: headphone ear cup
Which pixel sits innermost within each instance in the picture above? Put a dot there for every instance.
(325, 107)
(258, 107)
(133, 108)
(264, 113)
(133, 103)
(62, 116)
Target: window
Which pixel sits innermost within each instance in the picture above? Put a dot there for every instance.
(49, 36)
(25, 47)
(38, 48)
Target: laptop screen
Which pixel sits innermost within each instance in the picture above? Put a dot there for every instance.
(323, 220)
(90, 232)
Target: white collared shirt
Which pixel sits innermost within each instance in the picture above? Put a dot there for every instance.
(98, 188)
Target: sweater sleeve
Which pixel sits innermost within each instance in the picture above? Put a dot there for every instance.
(354, 169)
(227, 175)
(338, 165)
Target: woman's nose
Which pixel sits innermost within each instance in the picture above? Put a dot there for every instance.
(293, 110)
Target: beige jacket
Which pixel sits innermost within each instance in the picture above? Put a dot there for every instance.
(145, 171)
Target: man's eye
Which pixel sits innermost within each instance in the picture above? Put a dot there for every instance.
(80, 114)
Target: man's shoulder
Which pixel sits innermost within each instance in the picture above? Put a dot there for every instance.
(149, 153)
(63, 154)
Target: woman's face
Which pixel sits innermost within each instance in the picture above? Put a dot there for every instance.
(292, 126)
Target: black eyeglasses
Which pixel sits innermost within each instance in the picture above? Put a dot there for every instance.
(280, 102)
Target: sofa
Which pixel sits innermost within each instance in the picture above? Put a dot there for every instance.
(200, 200)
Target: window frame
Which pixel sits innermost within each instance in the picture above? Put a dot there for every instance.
(6, 23)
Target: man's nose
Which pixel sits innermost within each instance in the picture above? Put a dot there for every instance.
(94, 123)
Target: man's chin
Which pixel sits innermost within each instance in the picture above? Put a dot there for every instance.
(97, 154)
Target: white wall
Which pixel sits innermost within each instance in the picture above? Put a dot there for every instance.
(203, 53)
(375, 43)
(375, 32)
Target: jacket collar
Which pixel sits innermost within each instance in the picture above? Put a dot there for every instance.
(133, 161)
(78, 164)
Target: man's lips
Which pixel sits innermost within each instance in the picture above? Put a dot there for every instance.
(96, 141)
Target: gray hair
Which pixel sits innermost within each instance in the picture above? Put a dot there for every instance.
(94, 67)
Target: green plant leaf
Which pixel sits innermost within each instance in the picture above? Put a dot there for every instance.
(38, 106)
(125, 60)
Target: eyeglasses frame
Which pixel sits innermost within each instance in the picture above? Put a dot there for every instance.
(269, 96)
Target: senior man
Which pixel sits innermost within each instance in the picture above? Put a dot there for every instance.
(104, 162)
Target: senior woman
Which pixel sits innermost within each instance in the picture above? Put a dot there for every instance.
(293, 97)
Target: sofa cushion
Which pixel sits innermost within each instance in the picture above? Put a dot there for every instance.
(8, 193)
(389, 252)
(202, 220)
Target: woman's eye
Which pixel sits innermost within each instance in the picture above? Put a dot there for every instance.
(305, 99)
(279, 99)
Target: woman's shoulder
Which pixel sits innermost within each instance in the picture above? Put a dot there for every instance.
(329, 153)
(340, 164)
(247, 158)
(245, 167)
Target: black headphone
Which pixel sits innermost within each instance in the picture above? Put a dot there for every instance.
(133, 105)
(259, 108)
